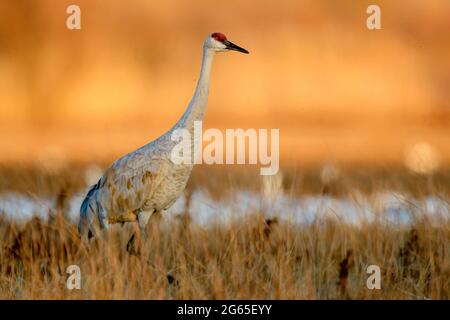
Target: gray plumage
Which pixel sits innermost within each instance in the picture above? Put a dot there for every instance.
(146, 181)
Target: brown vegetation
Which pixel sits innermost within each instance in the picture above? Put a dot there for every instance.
(259, 257)
(238, 261)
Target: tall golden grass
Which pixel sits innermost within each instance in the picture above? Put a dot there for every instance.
(251, 259)
(258, 257)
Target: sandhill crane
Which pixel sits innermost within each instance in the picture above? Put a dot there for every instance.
(146, 181)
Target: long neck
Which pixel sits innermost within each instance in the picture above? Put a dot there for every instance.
(197, 106)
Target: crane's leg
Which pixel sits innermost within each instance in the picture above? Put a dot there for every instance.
(142, 217)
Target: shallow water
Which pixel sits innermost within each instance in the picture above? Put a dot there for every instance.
(390, 207)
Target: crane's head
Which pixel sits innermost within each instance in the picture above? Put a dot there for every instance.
(218, 42)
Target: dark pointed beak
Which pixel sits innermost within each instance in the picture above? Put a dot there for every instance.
(232, 46)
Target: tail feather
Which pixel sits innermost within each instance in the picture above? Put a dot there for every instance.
(88, 211)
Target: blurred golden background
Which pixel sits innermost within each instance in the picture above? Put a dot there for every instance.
(338, 92)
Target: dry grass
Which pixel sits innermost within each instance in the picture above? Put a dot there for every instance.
(220, 180)
(252, 259)
(258, 258)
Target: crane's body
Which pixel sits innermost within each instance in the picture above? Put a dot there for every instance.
(146, 181)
